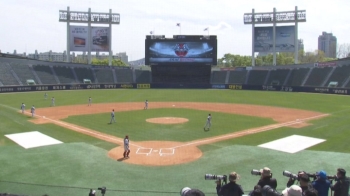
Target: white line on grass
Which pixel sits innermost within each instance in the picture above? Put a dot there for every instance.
(72, 126)
(257, 130)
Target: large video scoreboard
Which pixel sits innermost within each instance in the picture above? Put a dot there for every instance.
(181, 49)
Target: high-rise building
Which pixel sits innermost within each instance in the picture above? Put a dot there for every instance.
(328, 44)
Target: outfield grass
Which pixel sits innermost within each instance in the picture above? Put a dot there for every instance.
(82, 161)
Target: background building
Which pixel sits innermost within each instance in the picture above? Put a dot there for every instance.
(328, 44)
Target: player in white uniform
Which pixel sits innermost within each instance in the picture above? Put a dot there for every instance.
(146, 105)
(126, 147)
(53, 101)
(208, 123)
(89, 101)
(45, 96)
(112, 117)
(32, 110)
(23, 107)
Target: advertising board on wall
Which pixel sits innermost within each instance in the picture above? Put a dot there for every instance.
(285, 37)
(79, 40)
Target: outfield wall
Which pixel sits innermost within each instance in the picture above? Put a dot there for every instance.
(326, 90)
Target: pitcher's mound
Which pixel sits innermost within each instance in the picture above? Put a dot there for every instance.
(167, 120)
(157, 153)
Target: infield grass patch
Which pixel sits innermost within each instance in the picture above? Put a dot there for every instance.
(133, 123)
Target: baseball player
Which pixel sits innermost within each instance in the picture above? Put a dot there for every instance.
(112, 117)
(45, 96)
(146, 105)
(89, 101)
(53, 101)
(32, 110)
(208, 124)
(23, 107)
(126, 147)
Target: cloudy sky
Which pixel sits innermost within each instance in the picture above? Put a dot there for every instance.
(29, 25)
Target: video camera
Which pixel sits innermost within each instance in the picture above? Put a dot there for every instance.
(310, 175)
(314, 176)
(216, 177)
(257, 172)
(290, 175)
(102, 189)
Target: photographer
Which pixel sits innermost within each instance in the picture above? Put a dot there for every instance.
(303, 179)
(256, 191)
(230, 189)
(321, 184)
(341, 187)
(266, 178)
(186, 191)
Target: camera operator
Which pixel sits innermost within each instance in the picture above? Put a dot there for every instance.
(186, 191)
(303, 179)
(321, 184)
(256, 191)
(230, 189)
(341, 187)
(266, 178)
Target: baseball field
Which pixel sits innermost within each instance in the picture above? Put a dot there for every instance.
(169, 147)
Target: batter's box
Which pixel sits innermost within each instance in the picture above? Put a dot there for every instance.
(166, 151)
(145, 151)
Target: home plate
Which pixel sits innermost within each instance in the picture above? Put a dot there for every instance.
(292, 144)
(32, 139)
(155, 150)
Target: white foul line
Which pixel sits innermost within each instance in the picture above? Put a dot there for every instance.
(257, 130)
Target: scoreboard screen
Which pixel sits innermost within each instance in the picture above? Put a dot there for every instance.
(181, 51)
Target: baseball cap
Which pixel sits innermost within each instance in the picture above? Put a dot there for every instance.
(293, 190)
(322, 174)
(265, 172)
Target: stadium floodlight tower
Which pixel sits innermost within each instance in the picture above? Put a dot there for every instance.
(87, 38)
(266, 39)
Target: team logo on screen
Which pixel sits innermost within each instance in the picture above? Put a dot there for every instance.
(181, 49)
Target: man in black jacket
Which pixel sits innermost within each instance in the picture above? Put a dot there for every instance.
(266, 178)
(230, 189)
(341, 187)
(304, 181)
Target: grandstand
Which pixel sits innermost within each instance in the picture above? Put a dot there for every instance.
(218, 77)
(45, 74)
(65, 75)
(237, 77)
(17, 72)
(124, 75)
(296, 77)
(84, 73)
(142, 76)
(317, 76)
(7, 75)
(257, 77)
(24, 73)
(104, 75)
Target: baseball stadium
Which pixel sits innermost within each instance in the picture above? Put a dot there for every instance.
(64, 142)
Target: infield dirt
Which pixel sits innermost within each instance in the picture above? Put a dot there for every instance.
(159, 153)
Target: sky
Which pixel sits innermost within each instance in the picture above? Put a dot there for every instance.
(29, 25)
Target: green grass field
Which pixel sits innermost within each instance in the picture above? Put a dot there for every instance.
(82, 163)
